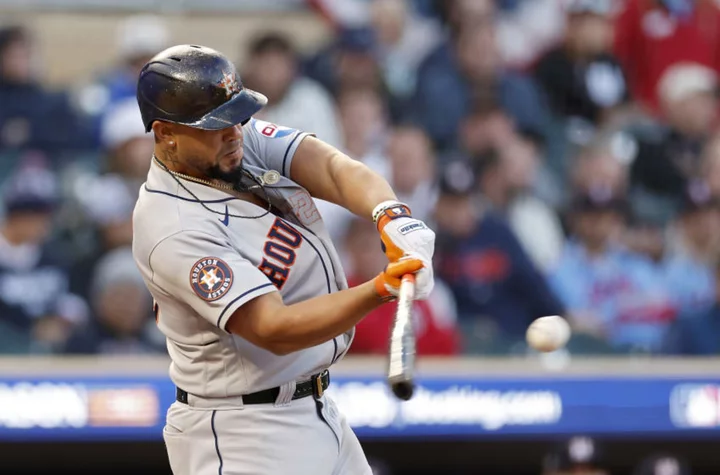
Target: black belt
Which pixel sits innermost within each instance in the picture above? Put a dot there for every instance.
(316, 386)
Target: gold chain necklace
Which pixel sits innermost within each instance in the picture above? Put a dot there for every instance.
(222, 186)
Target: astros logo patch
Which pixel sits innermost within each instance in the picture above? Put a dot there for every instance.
(211, 278)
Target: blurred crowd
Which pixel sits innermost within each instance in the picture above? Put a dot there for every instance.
(581, 455)
(567, 153)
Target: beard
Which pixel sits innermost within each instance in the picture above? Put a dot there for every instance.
(238, 177)
(233, 176)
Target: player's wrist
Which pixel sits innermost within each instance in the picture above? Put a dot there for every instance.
(386, 211)
(382, 206)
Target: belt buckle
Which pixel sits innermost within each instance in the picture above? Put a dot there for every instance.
(318, 390)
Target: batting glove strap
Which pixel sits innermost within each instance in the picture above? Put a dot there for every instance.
(389, 210)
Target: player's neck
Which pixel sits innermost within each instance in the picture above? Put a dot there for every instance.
(170, 160)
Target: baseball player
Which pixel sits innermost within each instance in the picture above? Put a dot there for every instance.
(248, 287)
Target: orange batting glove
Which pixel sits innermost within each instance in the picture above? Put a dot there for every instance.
(387, 283)
(402, 234)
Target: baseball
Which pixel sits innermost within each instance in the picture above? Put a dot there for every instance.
(548, 333)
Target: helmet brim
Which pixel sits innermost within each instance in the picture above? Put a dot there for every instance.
(237, 110)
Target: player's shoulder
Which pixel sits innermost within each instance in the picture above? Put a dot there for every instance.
(268, 130)
(158, 216)
(270, 145)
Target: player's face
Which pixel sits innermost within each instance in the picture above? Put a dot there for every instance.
(214, 153)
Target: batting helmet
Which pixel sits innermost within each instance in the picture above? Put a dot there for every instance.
(195, 86)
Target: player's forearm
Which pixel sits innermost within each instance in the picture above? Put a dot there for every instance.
(331, 175)
(358, 188)
(317, 320)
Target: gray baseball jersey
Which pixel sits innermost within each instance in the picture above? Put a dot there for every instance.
(201, 264)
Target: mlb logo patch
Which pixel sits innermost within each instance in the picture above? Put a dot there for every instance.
(695, 406)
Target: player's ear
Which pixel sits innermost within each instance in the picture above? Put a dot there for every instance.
(164, 133)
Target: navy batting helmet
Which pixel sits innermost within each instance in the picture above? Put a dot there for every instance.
(195, 86)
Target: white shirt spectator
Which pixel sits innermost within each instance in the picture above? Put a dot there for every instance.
(538, 229)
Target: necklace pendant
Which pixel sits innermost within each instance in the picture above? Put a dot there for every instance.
(270, 177)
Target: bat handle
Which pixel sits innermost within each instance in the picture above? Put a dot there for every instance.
(408, 280)
(402, 342)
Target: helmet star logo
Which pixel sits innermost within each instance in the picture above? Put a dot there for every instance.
(230, 84)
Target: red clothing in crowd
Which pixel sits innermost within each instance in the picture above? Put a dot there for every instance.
(434, 325)
(648, 39)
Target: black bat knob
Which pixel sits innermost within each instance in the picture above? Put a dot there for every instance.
(403, 390)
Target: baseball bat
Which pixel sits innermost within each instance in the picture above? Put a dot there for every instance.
(402, 342)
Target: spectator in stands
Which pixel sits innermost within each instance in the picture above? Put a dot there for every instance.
(485, 127)
(293, 100)
(666, 160)
(653, 35)
(506, 173)
(597, 166)
(697, 333)
(600, 165)
(581, 77)
(693, 247)
(512, 176)
(366, 127)
(30, 116)
(710, 165)
(488, 127)
(108, 199)
(403, 41)
(459, 14)
(604, 163)
(36, 310)
(497, 288)
(578, 456)
(527, 29)
(129, 149)
(434, 318)
(663, 464)
(468, 70)
(610, 292)
(121, 305)
(348, 62)
(412, 170)
(138, 38)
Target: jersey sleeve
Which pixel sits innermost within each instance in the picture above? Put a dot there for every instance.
(272, 146)
(205, 273)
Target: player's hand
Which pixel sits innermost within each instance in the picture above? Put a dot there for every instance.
(387, 283)
(401, 234)
(404, 236)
